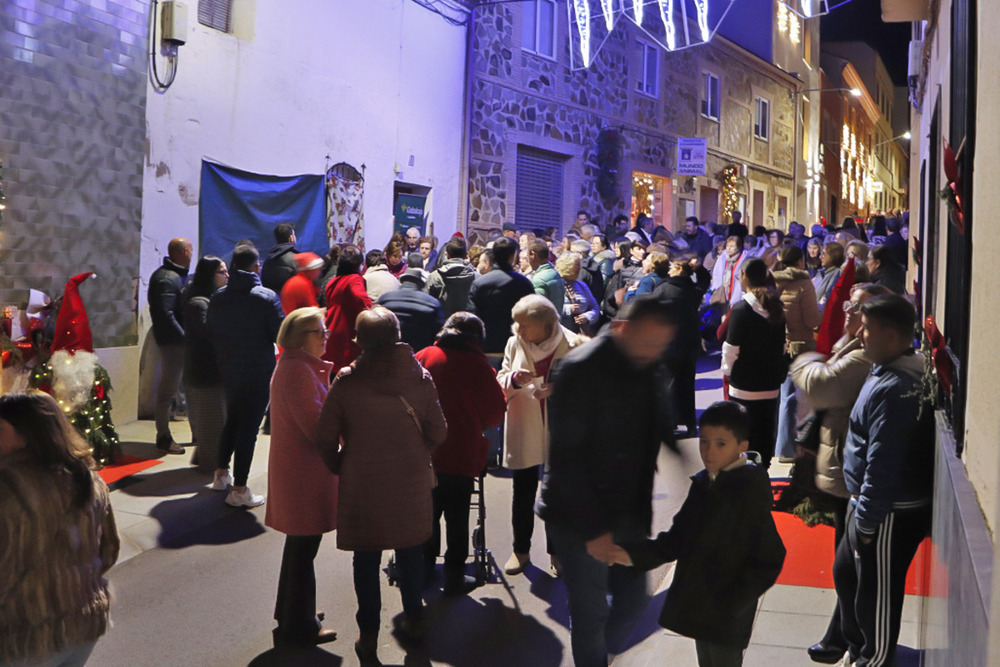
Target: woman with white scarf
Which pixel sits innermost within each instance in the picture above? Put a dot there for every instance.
(539, 341)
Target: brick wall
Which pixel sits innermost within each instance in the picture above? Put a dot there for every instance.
(72, 140)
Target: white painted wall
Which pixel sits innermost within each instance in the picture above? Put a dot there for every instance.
(370, 82)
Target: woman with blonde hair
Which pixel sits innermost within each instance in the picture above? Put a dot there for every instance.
(57, 537)
(539, 341)
(301, 490)
(580, 310)
(379, 424)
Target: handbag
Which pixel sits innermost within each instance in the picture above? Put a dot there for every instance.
(806, 447)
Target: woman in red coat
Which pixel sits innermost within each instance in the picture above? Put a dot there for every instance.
(302, 492)
(346, 298)
(472, 402)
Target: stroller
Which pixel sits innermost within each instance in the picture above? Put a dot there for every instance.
(482, 558)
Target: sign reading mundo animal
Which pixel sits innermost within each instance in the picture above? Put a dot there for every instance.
(691, 155)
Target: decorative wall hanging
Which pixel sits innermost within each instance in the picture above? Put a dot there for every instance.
(345, 210)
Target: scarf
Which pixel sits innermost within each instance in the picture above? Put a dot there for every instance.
(545, 349)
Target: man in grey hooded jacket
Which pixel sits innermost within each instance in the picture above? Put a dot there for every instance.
(451, 283)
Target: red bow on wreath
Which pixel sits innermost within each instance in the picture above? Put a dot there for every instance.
(939, 354)
(952, 192)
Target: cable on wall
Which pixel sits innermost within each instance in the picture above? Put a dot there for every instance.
(154, 74)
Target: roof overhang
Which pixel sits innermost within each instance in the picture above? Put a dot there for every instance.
(905, 11)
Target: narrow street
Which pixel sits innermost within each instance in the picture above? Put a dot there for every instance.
(196, 581)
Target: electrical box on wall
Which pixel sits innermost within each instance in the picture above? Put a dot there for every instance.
(174, 22)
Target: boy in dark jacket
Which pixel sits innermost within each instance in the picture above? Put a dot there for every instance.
(724, 540)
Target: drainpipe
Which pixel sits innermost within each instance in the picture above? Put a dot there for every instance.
(463, 195)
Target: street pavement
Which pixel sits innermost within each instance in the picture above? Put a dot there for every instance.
(196, 581)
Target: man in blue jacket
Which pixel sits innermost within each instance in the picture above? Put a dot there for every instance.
(889, 472)
(597, 489)
(244, 318)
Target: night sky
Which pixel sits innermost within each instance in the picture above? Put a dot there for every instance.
(861, 20)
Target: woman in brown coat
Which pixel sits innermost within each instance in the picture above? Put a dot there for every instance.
(301, 491)
(57, 537)
(383, 411)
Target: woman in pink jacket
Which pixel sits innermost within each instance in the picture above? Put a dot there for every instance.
(302, 492)
(383, 414)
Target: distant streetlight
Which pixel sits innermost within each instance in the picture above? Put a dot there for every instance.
(905, 136)
(856, 92)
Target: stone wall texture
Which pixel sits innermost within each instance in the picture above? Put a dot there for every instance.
(72, 141)
(522, 98)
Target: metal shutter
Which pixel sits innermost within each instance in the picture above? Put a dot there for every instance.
(215, 14)
(539, 199)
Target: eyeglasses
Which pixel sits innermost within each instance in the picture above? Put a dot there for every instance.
(850, 307)
(322, 332)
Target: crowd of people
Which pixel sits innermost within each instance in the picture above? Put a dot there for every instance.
(397, 368)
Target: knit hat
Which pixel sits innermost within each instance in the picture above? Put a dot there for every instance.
(72, 325)
(509, 227)
(307, 261)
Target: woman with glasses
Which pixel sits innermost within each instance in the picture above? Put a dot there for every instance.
(833, 385)
(302, 492)
(202, 379)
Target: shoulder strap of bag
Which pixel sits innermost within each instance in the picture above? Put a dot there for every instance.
(413, 413)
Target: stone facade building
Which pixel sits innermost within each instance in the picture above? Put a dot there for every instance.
(547, 140)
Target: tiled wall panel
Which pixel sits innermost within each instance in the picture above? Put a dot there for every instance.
(72, 141)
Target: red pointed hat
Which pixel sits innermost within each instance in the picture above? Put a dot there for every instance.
(72, 325)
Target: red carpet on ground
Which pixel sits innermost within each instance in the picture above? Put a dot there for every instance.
(129, 465)
(809, 561)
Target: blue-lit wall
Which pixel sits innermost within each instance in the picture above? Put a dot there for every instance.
(749, 23)
(72, 138)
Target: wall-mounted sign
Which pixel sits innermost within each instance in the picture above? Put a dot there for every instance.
(692, 152)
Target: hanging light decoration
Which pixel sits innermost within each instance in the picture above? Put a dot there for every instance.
(582, 8)
(667, 16)
(637, 6)
(702, 7)
(608, 9)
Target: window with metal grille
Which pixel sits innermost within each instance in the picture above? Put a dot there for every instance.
(538, 205)
(710, 95)
(216, 14)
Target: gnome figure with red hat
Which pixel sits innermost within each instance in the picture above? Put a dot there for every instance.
(73, 376)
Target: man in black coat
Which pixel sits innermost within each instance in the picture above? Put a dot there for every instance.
(598, 486)
(895, 242)
(280, 263)
(697, 239)
(683, 292)
(493, 295)
(165, 306)
(244, 318)
(420, 315)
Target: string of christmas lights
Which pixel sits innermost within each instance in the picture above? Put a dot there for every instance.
(93, 420)
(730, 190)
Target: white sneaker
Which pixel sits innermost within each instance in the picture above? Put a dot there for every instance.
(245, 499)
(222, 482)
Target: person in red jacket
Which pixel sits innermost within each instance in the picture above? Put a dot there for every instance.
(346, 298)
(300, 290)
(472, 401)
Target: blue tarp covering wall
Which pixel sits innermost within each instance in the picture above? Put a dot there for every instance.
(237, 205)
